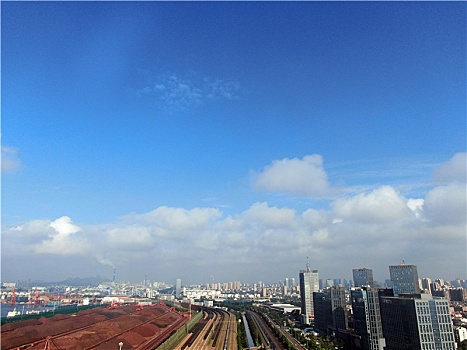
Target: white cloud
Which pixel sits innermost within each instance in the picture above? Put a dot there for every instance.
(316, 219)
(372, 228)
(383, 205)
(265, 216)
(10, 159)
(62, 239)
(447, 204)
(304, 177)
(416, 205)
(130, 238)
(452, 171)
(174, 223)
(64, 226)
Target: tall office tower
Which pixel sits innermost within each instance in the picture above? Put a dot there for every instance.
(363, 277)
(322, 313)
(339, 308)
(329, 283)
(178, 288)
(292, 281)
(330, 310)
(404, 278)
(417, 322)
(309, 283)
(367, 317)
(287, 282)
(426, 285)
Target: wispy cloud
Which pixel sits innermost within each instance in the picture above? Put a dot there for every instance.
(10, 159)
(188, 91)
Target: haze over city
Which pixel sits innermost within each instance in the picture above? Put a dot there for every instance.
(231, 141)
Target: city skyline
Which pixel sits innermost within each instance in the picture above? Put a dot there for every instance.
(232, 140)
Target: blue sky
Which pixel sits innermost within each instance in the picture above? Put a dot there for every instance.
(179, 134)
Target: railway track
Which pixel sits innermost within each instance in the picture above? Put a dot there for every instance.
(218, 330)
(270, 339)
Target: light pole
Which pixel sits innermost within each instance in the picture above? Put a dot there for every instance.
(120, 345)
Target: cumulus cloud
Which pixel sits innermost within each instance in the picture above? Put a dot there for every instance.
(447, 204)
(188, 91)
(130, 237)
(305, 177)
(452, 171)
(317, 219)
(64, 226)
(382, 205)
(416, 205)
(372, 228)
(265, 216)
(48, 237)
(174, 223)
(10, 159)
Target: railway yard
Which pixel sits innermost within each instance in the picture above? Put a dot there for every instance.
(123, 327)
(217, 330)
(136, 327)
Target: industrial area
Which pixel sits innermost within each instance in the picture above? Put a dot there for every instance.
(123, 326)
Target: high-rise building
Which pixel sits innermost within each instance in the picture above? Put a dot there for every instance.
(330, 310)
(178, 288)
(363, 277)
(404, 278)
(367, 317)
(426, 285)
(339, 282)
(417, 322)
(309, 283)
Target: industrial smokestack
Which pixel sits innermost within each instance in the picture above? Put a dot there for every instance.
(113, 280)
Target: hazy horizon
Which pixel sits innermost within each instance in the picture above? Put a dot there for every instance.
(232, 139)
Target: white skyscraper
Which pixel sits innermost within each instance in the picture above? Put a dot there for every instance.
(309, 283)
